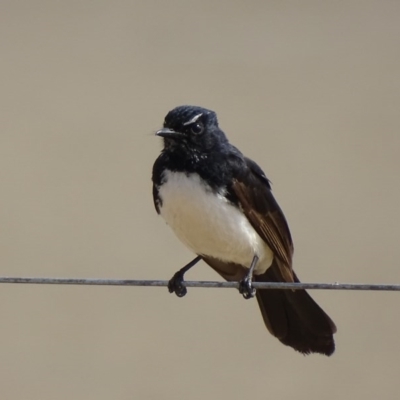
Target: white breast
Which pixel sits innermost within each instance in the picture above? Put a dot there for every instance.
(208, 224)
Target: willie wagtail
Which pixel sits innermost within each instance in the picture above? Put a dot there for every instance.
(220, 205)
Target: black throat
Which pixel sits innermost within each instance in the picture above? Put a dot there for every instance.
(217, 168)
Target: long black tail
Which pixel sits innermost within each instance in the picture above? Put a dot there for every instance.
(294, 317)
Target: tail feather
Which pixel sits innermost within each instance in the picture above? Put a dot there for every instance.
(294, 317)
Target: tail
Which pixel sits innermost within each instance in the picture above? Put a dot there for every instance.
(294, 317)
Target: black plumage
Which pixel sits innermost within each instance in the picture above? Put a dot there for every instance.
(194, 145)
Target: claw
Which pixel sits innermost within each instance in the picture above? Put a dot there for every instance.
(246, 288)
(245, 285)
(176, 284)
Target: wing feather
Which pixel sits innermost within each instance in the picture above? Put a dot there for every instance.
(265, 215)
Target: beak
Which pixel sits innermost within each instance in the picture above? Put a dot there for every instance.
(168, 133)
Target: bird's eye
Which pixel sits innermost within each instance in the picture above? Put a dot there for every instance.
(197, 128)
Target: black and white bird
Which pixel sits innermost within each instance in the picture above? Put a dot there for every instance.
(220, 205)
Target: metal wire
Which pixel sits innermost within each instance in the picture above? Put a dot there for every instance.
(208, 284)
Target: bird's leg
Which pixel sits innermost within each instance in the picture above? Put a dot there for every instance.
(176, 283)
(245, 285)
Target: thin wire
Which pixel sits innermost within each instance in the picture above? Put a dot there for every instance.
(208, 284)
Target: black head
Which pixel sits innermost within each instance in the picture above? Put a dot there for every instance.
(191, 128)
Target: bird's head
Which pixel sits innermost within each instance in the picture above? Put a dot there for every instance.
(191, 128)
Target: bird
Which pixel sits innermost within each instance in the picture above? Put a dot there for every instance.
(219, 203)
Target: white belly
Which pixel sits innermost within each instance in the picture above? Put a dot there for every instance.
(208, 224)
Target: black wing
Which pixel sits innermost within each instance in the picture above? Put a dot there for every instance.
(253, 191)
(157, 181)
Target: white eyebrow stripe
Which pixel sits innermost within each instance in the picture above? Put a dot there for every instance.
(193, 120)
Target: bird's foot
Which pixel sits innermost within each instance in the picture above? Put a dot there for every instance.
(246, 287)
(177, 284)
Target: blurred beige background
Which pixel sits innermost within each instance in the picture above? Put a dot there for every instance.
(310, 90)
